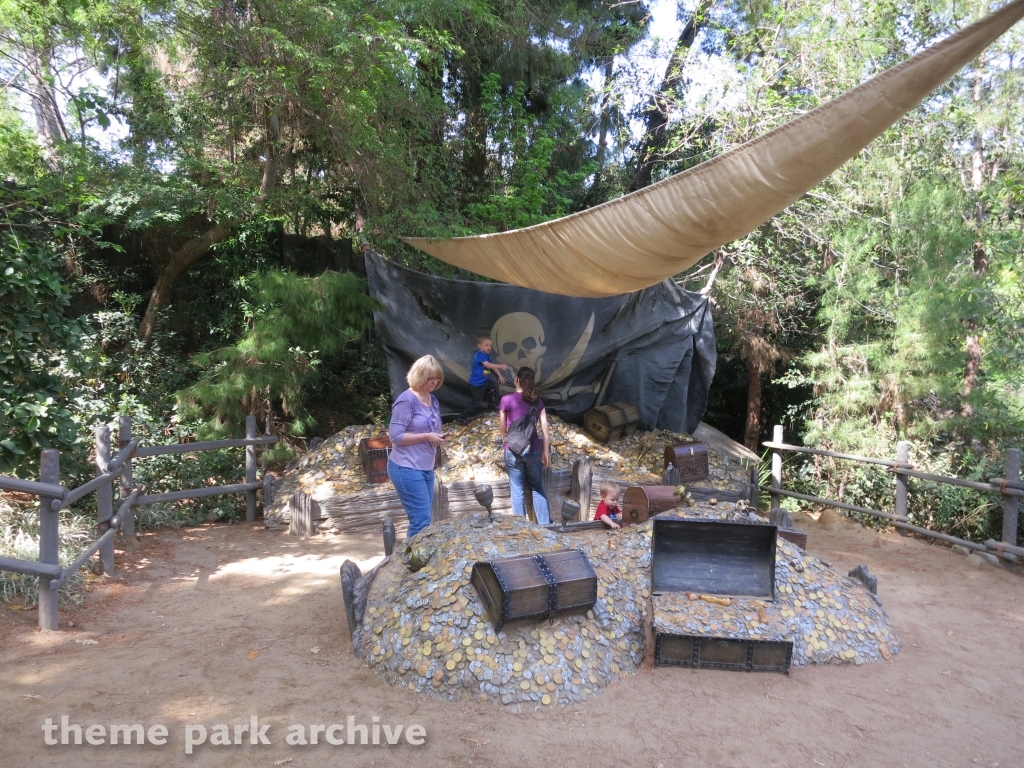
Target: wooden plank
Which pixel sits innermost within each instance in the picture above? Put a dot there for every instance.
(209, 445)
(16, 484)
(196, 493)
(776, 469)
(304, 512)
(49, 473)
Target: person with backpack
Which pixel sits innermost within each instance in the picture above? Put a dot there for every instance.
(523, 422)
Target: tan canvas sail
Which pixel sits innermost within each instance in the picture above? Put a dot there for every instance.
(642, 238)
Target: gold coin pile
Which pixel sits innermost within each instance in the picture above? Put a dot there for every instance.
(429, 632)
(474, 452)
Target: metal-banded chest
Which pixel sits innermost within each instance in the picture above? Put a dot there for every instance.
(529, 588)
(611, 422)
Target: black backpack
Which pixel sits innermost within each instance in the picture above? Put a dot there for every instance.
(520, 433)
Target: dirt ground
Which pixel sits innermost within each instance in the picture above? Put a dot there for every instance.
(213, 625)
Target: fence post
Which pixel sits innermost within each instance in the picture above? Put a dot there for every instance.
(250, 469)
(49, 472)
(776, 470)
(124, 428)
(902, 485)
(1011, 503)
(104, 497)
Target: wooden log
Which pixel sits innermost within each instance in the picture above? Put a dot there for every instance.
(305, 511)
(49, 473)
(250, 469)
(124, 436)
(269, 490)
(778, 445)
(196, 493)
(18, 485)
(989, 487)
(104, 498)
(125, 453)
(29, 567)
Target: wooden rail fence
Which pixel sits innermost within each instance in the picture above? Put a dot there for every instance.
(53, 497)
(1009, 488)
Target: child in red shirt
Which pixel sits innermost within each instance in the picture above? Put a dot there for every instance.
(607, 511)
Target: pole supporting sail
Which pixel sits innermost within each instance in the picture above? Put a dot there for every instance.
(644, 237)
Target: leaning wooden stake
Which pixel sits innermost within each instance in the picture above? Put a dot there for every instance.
(250, 469)
(49, 472)
(104, 498)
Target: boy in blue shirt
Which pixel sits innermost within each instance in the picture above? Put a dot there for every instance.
(481, 385)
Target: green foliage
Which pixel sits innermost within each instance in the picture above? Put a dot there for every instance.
(294, 320)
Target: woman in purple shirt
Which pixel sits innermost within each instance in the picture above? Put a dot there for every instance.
(526, 471)
(415, 434)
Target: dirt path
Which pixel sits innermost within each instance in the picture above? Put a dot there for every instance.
(177, 630)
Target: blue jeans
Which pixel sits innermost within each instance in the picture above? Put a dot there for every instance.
(528, 469)
(415, 488)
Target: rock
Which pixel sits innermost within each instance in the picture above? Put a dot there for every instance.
(829, 519)
(961, 550)
(978, 558)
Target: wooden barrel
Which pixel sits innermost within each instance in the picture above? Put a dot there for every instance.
(611, 422)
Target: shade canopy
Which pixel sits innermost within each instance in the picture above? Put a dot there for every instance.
(644, 237)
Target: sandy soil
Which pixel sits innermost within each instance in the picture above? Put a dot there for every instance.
(216, 624)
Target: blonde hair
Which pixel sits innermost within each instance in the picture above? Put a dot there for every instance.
(609, 488)
(423, 369)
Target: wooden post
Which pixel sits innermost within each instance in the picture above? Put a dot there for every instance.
(104, 498)
(49, 538)
(776, 469)
(902, 485)
(124, 436)
(439, 507)
(581, 486)
(1011, 504)
(250, 469)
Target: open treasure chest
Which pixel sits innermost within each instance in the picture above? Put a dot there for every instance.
(711, 580)
(528, 588)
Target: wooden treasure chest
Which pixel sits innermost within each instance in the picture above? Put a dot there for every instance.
(642, 502)
(373, 454)
(706, 652)
(714, 558)
(528, 588)
(690, 459)
(611, 422)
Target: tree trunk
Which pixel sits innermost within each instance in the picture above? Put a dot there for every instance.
(196, 248)
(178, 263)
(656, 115)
